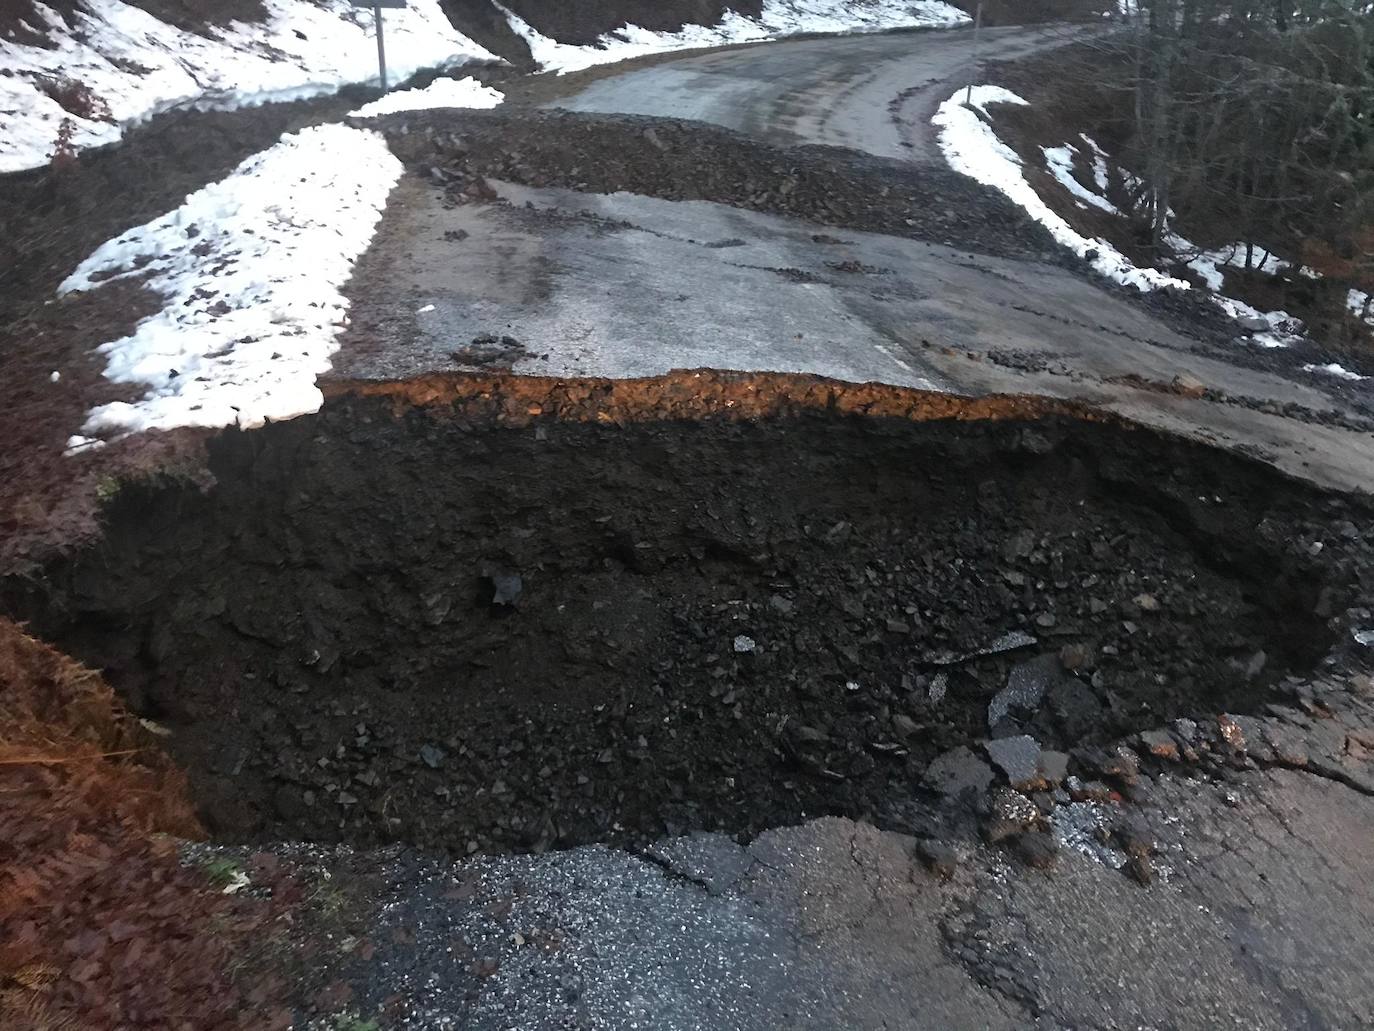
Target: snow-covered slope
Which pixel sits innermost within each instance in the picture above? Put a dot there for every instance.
(134, 65)
(250, 269)
(779, 18)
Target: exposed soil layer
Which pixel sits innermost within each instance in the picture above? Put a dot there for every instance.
(467, 614)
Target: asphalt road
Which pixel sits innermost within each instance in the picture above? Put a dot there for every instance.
(871, 93)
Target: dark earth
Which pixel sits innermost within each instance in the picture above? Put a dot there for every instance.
(429, 628)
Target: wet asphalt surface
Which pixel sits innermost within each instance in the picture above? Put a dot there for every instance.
(875, 94)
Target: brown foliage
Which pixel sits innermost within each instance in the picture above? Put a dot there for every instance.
(100, 925)
(1353, 264)
(76, 98)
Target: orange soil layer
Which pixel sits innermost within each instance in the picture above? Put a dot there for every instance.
(696, 394)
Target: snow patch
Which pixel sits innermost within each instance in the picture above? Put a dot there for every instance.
(250, 269)
(467, 92)
(1099, 163)
(1059, 160)
(136, 65)
(1337, 370)
(971, 146)
(778, 18)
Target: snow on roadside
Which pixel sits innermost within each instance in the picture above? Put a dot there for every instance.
(778, 18)
(136, 65)
(250, 269)
(1337, 370)
(970, 146)
(467, 92)
(1059, 160)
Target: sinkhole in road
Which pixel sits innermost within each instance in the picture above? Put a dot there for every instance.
(427, 624)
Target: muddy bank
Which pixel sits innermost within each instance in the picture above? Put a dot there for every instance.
(425, 624)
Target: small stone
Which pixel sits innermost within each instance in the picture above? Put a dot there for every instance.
(1231, 732)
(1133, 837)
(1009, 813)
(1025, 688)
(1160, 744)
(1017, 757)
(939, 685)
(1054, 767)
(1140, 870)
(780, 604)
(1187, 385)
(1088, 790)
(1076, 656)
(1045, 620)
(506, 588)
(1019, 545)
(806, 735)
(1122, 763)
(904, 725)
(938, 857)
(1037, 850)
(1287, 748)
(432, 756)
(744, 645)
(958, 772)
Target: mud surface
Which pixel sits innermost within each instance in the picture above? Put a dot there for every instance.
(441, 628)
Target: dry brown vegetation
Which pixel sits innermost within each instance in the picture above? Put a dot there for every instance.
(101, 925)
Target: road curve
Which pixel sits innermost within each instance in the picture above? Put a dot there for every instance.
(874, 93)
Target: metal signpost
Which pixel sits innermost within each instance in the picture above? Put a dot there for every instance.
(377, 6)
(977, 52)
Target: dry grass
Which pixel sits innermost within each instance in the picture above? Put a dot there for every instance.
(100, 924)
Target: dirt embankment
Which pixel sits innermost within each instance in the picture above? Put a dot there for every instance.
(100, 925)
(504, 614)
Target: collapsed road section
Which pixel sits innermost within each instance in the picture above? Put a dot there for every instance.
(510, 614)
